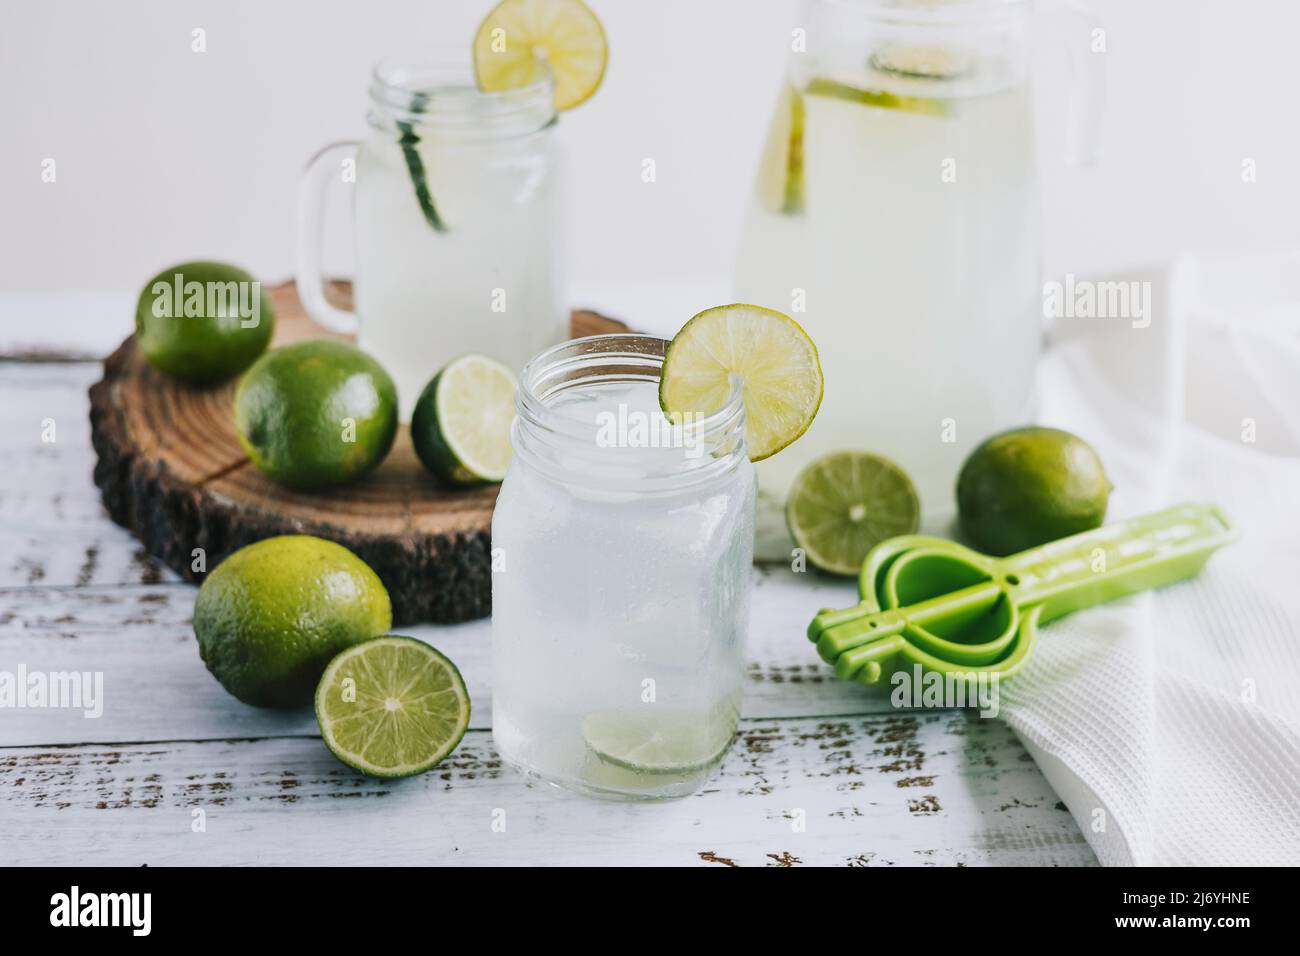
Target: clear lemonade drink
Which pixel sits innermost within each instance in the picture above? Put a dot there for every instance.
(619, 616)
(457, 208)
(895, 218)
(489, 281)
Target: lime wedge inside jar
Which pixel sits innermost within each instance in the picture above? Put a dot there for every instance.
(658, 742)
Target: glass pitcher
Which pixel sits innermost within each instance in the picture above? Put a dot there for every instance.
(896, 218)
(456, 205)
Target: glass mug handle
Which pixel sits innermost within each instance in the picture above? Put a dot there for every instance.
(323, 169)
(1087, 96)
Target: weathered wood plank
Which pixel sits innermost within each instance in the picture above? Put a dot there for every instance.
(53, 529)
(141, 640)
(78, 593)
(171, 469)
(924, 789)
(58, 550)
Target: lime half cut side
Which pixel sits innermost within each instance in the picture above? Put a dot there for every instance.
(651, 740)
(461, 423)
(844, 504)
(391, 707)
(520, 39)
(772, 356)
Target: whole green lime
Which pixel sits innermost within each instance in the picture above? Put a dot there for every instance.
(1028, 486)
(203, 322)
(316, 414)
(271, 616)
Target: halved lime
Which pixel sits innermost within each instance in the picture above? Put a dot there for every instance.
(461, 423)
(651, 740)
(518, 36)
(844, 504)
(391, 707)
(773, 357)
(780, 173)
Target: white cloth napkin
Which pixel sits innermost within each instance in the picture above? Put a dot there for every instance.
(1169, 723)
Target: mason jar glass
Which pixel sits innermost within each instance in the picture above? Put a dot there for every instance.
(457, 209)
(623, 545)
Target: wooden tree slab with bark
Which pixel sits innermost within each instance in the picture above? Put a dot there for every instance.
(171, 470)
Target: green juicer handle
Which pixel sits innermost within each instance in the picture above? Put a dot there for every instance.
(1115, 560)
(1042, 583)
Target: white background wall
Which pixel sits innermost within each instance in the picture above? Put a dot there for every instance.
(164, 154)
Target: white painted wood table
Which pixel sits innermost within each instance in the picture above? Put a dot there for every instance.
(822, 772)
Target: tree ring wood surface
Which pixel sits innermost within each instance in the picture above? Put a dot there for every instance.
(171, 470)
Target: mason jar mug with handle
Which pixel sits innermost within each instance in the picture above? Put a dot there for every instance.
(457, 203)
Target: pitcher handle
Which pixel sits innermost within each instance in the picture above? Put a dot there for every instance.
(1087, 96)
(323, 169)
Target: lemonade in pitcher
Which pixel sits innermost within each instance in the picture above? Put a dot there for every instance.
(895, 217)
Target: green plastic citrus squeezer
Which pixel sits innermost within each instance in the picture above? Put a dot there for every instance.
(939, 604)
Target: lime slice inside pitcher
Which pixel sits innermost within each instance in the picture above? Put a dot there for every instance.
(780, 173)
(923, 62)
(879, 99)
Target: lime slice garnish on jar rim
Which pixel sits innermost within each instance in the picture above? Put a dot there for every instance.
(775, 360)
(518, 36)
